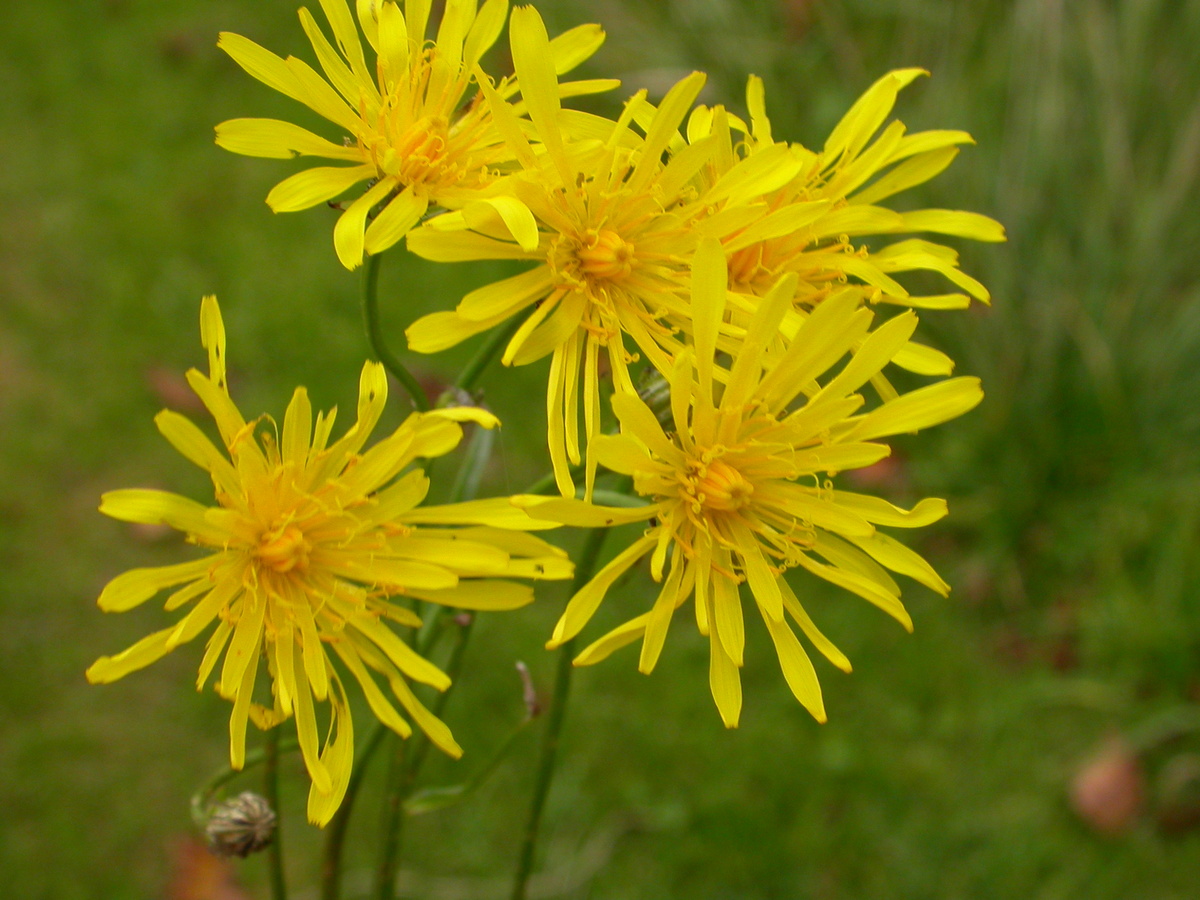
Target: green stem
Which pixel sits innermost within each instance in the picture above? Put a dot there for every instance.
(271, 791)
(484, 355)
(331, 862)
(370, 303)
(554, 721)
(393, 819)
(406, 766)
(202, 799)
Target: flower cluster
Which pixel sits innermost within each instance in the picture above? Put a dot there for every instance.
(678, 240)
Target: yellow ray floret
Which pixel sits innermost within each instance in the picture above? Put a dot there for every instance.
(738, 488)
(308, 541)
(413, 125)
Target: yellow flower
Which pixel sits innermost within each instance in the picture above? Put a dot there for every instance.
(739, 490)
(304, 549)
(409, 131)
(810, 223)
(612, 227)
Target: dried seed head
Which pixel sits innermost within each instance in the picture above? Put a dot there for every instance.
(241, 826)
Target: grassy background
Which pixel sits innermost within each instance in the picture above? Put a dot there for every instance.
(943, 772)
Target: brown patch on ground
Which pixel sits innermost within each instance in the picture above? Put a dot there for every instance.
(198, 875)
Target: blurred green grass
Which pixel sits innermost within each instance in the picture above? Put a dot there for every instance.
(943, 769)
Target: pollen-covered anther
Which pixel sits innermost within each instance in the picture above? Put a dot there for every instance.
(419, 154)
(723, 487)
(745, 265)
(605, 255)
(284, 549)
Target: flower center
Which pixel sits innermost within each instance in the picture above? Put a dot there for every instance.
(284, 549)
(418, 154)
(745, 265)
(605, 255)
(719, 486)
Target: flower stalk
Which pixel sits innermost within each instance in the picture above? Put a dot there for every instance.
(370, 306)
(271, 792)
(554, 723)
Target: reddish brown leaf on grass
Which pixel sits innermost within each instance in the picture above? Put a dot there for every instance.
(198, 875)
(1109, 791)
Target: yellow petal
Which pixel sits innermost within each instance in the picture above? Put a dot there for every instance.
(338, 73)
(756, 175)
(822, 643)
(879, 511)
(442, 330)
(577, 513)
(891, 553)
(724, 681)
(575, 46)
(306, 730)
(136, 586)
(784, 221)
(338, 760)
(486, 28)
(348, 231)
(660, 618)
(709, 279)
(515, 215)
(664, 128)
(922, 408)
(394, 221)
(923, 360)
(727, 616)
(534, 65)
(245, 645)
(637, 419)
(756, 104)
(956, 222)
(620, 453)
(223, 410)
(619, 637)
(427, 721)
(212, 651)
(346, 35)
(587, 599)
(393, 40)
(499, 512)
(212, 338)
(151, 507)
(275, 139)
(868, 113)
(149, 649)
(839, 457)
(797, 668)
(758, 573)
(376, 699)
(864, 587)
(313, 186)
(195, 445)
(401, 655)
(503, 298)
(297, 428)
(481, 594)
(237, 719)
(909, 173)
(430, 243)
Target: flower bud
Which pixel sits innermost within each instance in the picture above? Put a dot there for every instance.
(241, 826)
